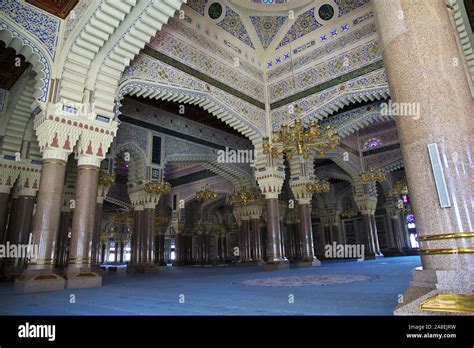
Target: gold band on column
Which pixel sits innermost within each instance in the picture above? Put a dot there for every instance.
(449, 303)
(448, 251)
(453, 235)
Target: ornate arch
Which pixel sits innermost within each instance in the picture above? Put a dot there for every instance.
(137, 163)
(178, 94)
(34, 54)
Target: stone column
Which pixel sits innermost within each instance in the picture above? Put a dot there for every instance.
(257, 239)
(375, 234)
(79, 273)
(275, 259)
(136, 237)
(147, 240)
(19, 231)
(105, 182)
(62, 240)
(425, 66)
(307, 258)
(40, 275)
(366, 205)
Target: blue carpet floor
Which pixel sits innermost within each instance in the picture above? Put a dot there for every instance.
(220, 291)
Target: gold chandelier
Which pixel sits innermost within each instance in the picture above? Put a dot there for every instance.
(161, 219)
(399, 189)
(120, 218)
(301, 139)
(318, 186)
(244, 197)
(106, 179)
(372, 176)
(348, 213)
(321, 211)
(206, 194)
(157, 187)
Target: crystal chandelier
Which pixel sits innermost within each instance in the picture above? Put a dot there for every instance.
(300, 139)
(371, 176)
(157, 187)
(206, 194)
(244, 197)
(318, 186)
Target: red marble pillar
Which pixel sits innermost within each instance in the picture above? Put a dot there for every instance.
(275, 259)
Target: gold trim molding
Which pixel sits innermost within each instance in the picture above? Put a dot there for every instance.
(449, 303)
(447, 251)
(453, 235)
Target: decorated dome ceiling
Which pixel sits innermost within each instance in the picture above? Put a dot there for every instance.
(264, 25)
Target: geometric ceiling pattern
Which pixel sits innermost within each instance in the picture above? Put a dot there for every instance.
(304, 24)
(267, 27)
(232, 23)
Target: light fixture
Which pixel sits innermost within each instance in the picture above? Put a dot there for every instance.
(244, 197)
(157, 187)
(106, 179)
(348, 213)
(206, 194)
(300, 139)
(321, 211)
(372, 176)
(318, 186)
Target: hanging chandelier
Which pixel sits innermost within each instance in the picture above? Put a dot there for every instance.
(318, 186)
(206, 194)
(106, 179)
(321, 211)
(400, 188)
(348, 213)
(372, 176)
(161, 218)
(157, 187)
(301, 139)
(244, 197)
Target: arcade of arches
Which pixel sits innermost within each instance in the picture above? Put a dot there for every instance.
(140, 135)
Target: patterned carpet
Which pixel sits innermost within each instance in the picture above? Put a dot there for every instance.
(336, 288)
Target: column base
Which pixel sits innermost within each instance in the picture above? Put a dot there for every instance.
(276, 266)
(369, 256)
(39, 281)
(81, 278)
(307, 263)
(428, 283)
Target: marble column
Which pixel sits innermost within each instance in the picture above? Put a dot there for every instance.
(257, 239)
(199, 248)
(161, 249)
(369, 243)
(244, 241)
(146, 240)
(62, 239)
(40, 275)
(79, 273)
(95, 246)
(425, 66)
(4, 198)
(135, 238)
(375, 235)
(19, 231)
(275, 259)
(306, 258)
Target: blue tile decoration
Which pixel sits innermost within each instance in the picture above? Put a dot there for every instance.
(304, 24)
(267, 27)
(232, 23)
(39, 24)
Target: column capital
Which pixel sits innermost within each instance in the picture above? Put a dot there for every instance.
(298, 186)
(139, 197)
(271, 180)
(366, 204)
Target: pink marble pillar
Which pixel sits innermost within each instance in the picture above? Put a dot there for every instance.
(79, 273)
(425, 68)
(306, 258)
(275, 259)
(40, 275)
